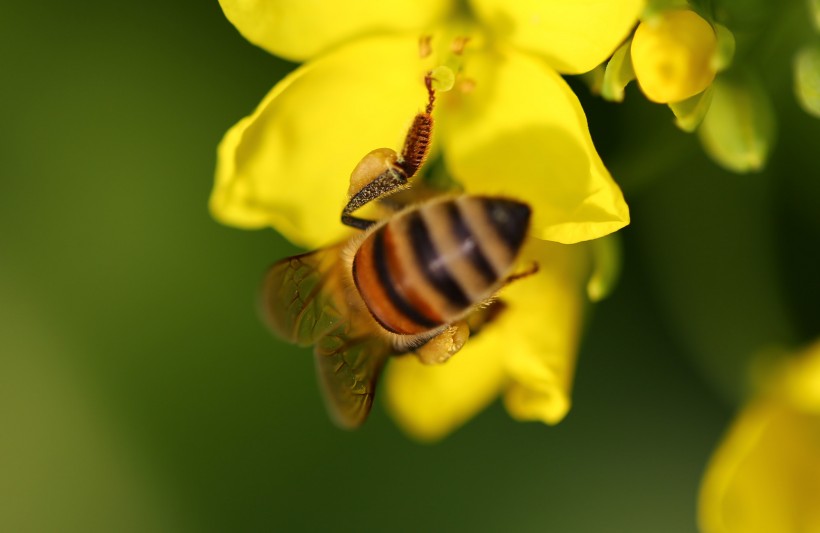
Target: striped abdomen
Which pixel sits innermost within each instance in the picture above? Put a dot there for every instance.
(425, 267)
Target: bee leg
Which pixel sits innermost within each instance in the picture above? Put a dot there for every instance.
(417, 142)
(384, 184)
(394, 171)
(444, 345)
(523, 274)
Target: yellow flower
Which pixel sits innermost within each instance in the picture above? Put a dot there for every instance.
(765, 476)
(672, 54)
(510, 126)
(679, 58)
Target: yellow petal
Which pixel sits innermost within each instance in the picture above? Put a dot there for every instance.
(801, 380)
(288, 164)
(542, 331)
(529, 350)
(765, 476)
(303, 29)
(574, 36)
(428, 402)
(521, 132)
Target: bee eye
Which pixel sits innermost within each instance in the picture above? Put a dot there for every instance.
(371, 167)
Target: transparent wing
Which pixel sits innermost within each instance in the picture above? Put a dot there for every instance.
(302, 297)
(303, 302)
(348, 369)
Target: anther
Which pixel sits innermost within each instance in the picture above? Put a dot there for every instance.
(425, 48)
(458, 45)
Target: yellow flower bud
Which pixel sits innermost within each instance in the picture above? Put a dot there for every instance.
(672, 54)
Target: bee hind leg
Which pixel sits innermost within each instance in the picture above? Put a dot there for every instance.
(444, 345)
(384, 184)
(383, 172)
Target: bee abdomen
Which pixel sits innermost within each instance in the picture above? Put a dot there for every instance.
(426, 267)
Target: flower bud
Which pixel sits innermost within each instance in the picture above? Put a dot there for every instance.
(807, 79)
(689, 113)
(606, 266)
(738, 130)
(673, 55)
(618, 74)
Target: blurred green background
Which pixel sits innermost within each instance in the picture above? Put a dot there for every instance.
(139, 392)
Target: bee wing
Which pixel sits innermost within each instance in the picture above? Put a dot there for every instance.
(302, 297)
(348, 369)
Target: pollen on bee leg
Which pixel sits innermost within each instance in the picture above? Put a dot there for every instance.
(444, 345)
(371, 167)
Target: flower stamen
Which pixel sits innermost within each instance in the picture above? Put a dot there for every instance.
(425, 46)
(466, 85)
(458, 45)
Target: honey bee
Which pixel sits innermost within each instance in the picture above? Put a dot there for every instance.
(416, 281)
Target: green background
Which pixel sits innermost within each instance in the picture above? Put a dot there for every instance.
(139, 392)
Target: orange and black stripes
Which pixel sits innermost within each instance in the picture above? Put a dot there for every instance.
(464, 235)
(432, 261)
(429, 265)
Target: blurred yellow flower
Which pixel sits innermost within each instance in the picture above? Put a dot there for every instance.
(510, 126)
(765, 476)
(672, 54)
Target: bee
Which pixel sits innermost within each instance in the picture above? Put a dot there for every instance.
(416, 281)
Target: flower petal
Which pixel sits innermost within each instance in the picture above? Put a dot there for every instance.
(801, 380)
(521, 132)
(288, 164)
(574, 36)
(430, 401)
(301, 30)
(533, 342)
(765, 476)
(543, 331)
